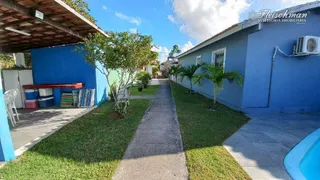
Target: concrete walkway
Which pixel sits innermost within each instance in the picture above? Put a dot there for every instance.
(156, 150)
(261, 145)
(37, 124)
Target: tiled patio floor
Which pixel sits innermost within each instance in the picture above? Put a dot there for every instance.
(261, 145)
(35, 125)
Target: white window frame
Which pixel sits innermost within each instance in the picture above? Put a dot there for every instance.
(213, 59)
(198, 58)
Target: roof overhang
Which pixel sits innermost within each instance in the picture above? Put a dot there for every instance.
(20, 30)
(246, 24)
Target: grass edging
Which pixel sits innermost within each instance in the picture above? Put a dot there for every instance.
(203, 133)
(91, 147)
(179, 131)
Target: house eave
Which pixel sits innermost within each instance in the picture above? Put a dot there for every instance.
(246, 24)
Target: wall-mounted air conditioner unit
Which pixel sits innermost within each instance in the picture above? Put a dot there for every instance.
(307, 45)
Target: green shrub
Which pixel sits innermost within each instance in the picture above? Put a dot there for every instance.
(144, 77)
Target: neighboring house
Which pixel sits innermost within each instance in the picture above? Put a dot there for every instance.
(162, 67)
(165, 65)
(171, 61)
(279, 84)
(149, 69)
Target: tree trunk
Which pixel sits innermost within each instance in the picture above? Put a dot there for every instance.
(190, 86)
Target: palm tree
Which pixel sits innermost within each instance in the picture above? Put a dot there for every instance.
(175, 70)
(217, 75)
(175, 50)
(189, 72)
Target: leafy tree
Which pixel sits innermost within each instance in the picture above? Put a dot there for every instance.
(217, 75)
(189, 72)
(122, 52)
(154, 55)
(6, 61)
(155, 62)
(175, 70)
(175, 50)
(81, 7)
(155, 71)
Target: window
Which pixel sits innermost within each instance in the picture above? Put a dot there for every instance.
(198, 60)
(219, 57)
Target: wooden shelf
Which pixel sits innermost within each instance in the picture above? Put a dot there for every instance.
(40, 86)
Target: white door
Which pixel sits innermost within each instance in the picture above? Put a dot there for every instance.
(25, 78)
(11, 81)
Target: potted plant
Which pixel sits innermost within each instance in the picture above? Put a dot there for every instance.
(144, 77)
(140, 86)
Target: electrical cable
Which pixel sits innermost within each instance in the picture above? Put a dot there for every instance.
(277, 48)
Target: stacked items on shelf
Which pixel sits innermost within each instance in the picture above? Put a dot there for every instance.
(75, 95)
(67, 100)
(86, 98)
(31, 98)
(46, 97)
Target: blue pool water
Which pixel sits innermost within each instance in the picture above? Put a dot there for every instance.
(310, 164)
(303, 161)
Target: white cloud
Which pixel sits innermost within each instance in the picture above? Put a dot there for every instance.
(289, 3)
(104, 7)
(186, 47)
(133, 30)
(202, 19)
(171, 18)
(133, 20)
(155, 49)
(163, 52)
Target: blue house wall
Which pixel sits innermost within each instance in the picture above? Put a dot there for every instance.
(60, 65)
(236, 48)
(295, 81)
(6, 146)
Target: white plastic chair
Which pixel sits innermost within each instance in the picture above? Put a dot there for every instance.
(123, 96)
(8, 99)
(13, 93)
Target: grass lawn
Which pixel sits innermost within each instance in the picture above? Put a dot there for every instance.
(151, 90)
(203, 133)
(89, 148)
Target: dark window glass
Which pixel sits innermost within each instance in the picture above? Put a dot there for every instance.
(219, 59)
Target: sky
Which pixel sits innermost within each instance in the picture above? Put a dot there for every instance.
(182, 22)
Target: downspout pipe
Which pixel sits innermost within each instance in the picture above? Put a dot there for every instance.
(271, 75)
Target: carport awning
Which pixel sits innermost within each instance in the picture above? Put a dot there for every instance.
(21, 30)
